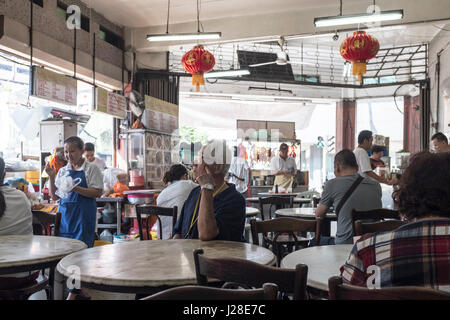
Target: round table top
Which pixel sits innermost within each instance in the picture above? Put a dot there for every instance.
(251, 212)
(19, 251)
(155, 263)
(323, 262)
(306, 213)
(270, 194)
(296, 200)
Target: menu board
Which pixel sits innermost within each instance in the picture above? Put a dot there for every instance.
(160, 115)
(111, 103)
(52, 86)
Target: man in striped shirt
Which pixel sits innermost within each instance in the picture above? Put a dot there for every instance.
(417, 253)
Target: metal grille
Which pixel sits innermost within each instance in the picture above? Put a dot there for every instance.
(391, 66)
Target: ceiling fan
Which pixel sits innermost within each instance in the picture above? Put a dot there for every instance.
(282, 58)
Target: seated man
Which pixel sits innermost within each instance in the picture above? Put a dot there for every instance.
(440, 142)
(214, 210)
(366, 196)
(15, 219)
(417, 253)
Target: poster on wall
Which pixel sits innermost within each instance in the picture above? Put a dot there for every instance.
(110, 103)
(160, 115)
(52, 86)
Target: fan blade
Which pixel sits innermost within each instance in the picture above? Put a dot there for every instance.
(262, 64)
(304, 63)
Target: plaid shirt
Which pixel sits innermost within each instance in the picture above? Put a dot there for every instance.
(415, 254)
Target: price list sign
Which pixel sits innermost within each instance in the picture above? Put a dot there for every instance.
(160, 115)
(52, 86)
(110, 103)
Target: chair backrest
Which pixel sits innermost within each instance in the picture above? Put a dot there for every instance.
(285, 225)
(361, 228)
(45, 222)
(377, 214)
(278, 202)
(152, 210)
(267, 292)
(340, 291)
(250, 274)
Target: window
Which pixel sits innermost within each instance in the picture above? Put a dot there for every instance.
(61, 11)
(40, 3)
(111, 37)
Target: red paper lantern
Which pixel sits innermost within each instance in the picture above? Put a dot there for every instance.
(197, 62)
(358, 49)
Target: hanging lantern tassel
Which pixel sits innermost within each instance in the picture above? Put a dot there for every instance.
(198, 80)
(197, 62)
(359, 68)
(358, 49)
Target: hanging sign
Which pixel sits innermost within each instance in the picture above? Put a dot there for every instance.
(160, 115)
(52, 86)
(111, 103)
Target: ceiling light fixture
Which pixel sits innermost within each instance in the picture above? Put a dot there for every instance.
(358, 18)
(227, 73)
(184, 36)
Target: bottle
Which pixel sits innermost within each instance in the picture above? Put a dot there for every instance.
(276, 188)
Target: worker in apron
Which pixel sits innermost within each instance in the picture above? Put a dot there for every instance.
(283, 167)
(76, 186)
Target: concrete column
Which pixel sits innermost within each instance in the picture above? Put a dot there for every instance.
(345, 124)
(411, 124)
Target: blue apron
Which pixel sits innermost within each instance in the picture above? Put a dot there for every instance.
(78, 214)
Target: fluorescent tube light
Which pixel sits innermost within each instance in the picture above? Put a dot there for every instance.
(227, 73)
(184, 36)
(358, 18)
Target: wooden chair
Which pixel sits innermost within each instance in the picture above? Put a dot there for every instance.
(361, 228)
(152, 210)
(45, 223)
(340, 291)
(373, 216)
(273, 233)
(278, 202)
(249, 274)
(267, 292)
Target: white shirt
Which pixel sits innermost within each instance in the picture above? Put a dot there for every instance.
(17, 219)
(277, 163)
(100, 163)
(175, 194)
(239, 168)
(362, 158)
(94, 177)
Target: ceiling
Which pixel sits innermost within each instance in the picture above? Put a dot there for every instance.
(147, 13)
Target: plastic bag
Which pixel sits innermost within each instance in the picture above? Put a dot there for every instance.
(110, 177)
(65, 184)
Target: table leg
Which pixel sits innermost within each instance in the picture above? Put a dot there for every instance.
(119, 216)
(51, 281)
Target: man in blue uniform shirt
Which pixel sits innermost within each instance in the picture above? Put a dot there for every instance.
(214, 210)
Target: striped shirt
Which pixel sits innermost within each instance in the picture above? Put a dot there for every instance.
(415, 254)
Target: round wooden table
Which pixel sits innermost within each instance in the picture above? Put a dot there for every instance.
(269, 194)
(310, 214)
(296, 200)
(146, 267)
(29, 253)
(251, 212)
(323, 263)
